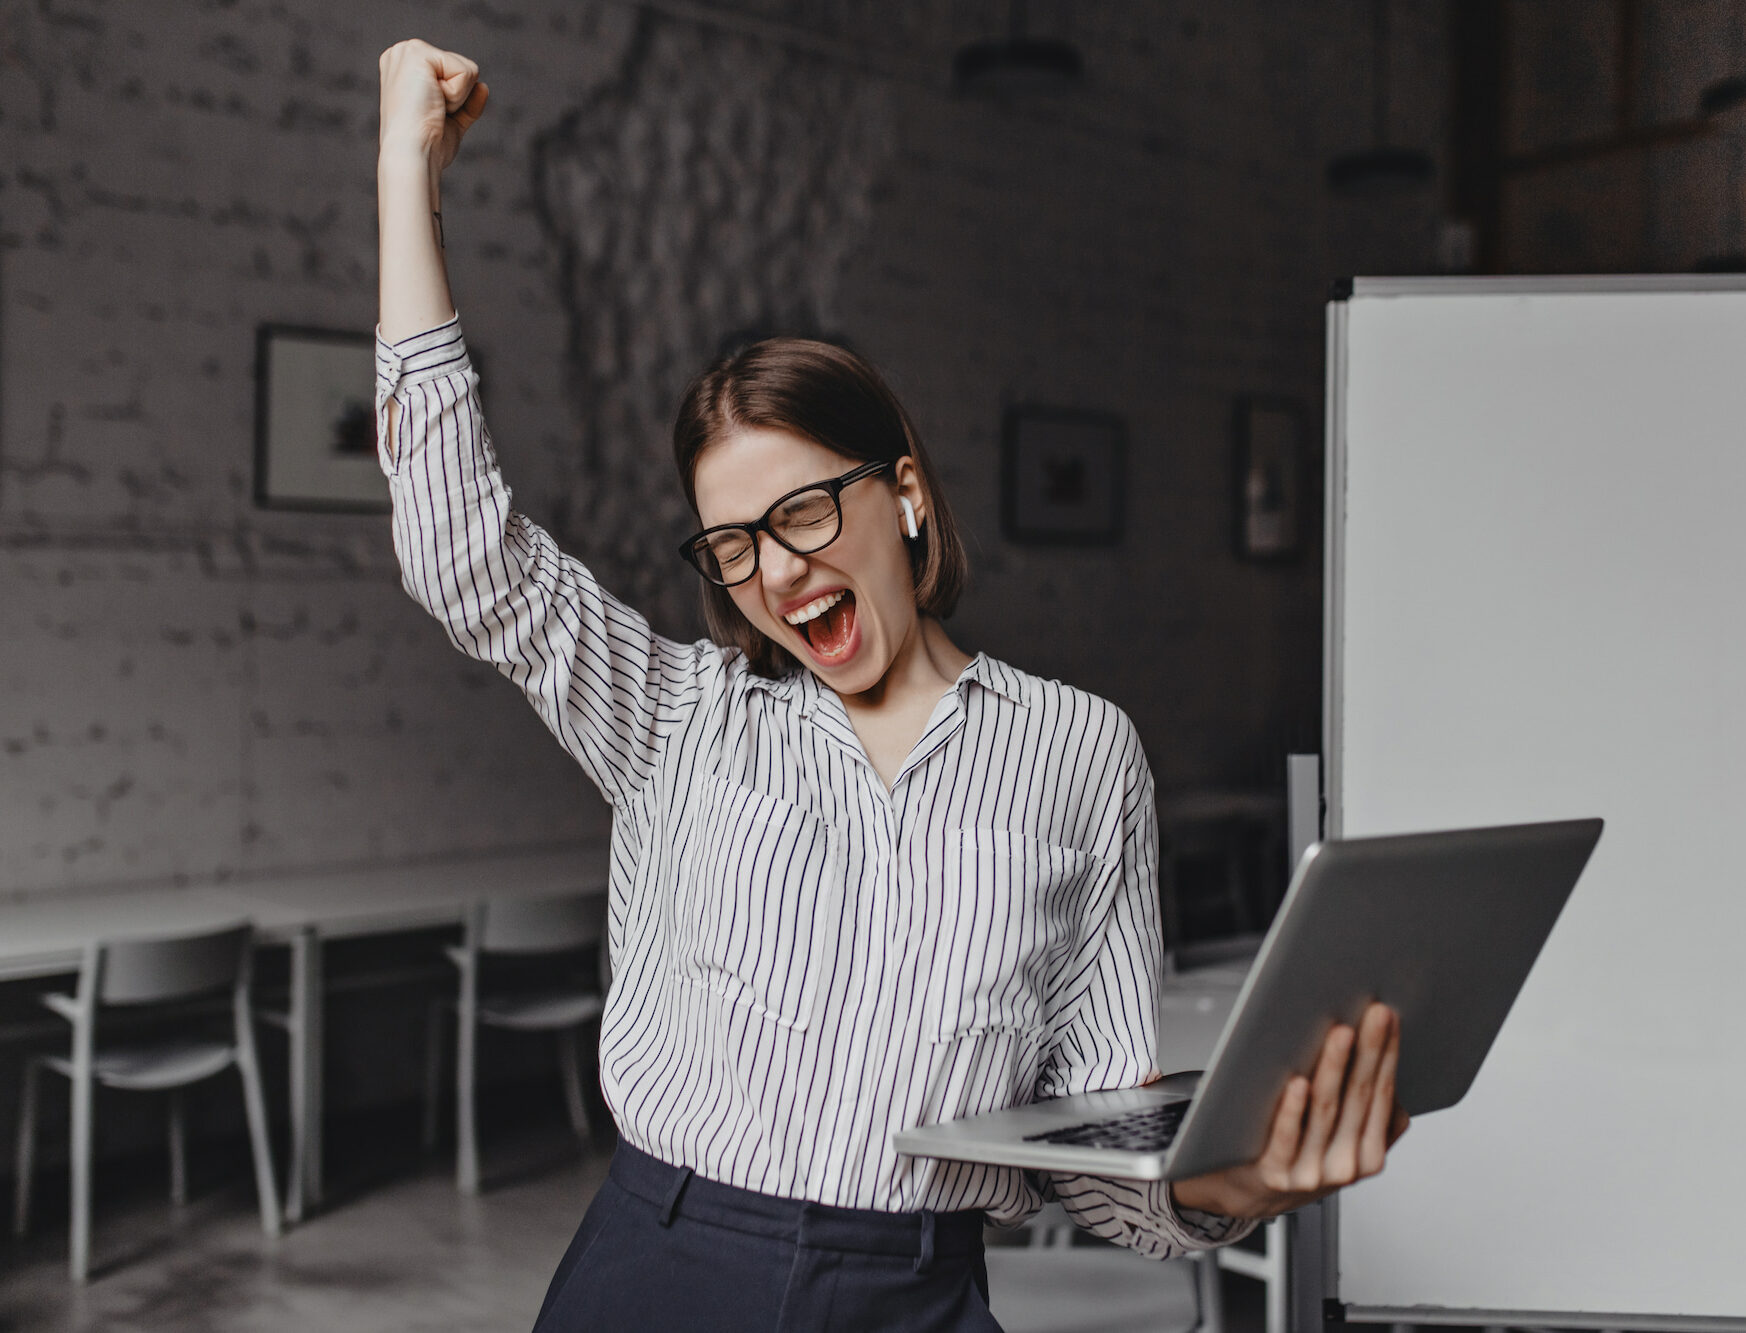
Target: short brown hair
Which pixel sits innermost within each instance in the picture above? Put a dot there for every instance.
(827, 394)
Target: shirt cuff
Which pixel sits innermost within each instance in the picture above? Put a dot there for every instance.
(420, 357)
(423, 356)
(1206, 1230)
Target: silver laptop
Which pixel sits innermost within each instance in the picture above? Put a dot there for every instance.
(1443, 926)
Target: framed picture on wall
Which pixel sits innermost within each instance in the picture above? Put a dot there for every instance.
(1061, 476)
(1269, 477)
(315, 421)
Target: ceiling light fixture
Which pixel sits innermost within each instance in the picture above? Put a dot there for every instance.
(1382, 168)
(1017, 65)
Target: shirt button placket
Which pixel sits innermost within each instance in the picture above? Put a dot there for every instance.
(894, 896)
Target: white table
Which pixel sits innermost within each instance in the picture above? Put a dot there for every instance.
(46, 935)
(1192, 1009)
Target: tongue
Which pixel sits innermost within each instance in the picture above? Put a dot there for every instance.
(829, 633)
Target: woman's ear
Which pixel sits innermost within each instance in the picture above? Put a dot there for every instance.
(909, 488)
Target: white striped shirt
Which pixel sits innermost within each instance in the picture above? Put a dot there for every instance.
(804, 960)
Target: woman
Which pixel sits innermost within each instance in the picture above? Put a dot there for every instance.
(860, 879)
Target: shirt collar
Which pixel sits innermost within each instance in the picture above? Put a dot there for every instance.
(1005, 681)
(803, 687)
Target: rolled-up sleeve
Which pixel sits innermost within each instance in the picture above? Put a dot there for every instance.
(1108, 1039)
(608, 687)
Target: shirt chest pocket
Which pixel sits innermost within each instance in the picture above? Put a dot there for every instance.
(756, 900)
(1004, 917)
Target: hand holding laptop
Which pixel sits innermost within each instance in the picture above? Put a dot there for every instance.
(1307, 1089)
(1328, 1132)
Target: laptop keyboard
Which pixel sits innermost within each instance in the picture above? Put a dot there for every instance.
(1150, 1130)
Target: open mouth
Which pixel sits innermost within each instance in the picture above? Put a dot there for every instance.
(828, 625)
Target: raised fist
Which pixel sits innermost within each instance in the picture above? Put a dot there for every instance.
(430, 98)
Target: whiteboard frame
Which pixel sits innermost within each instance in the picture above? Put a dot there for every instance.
(1437, 1315)
(1333, 688)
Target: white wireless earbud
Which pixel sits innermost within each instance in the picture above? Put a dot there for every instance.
(908, 514)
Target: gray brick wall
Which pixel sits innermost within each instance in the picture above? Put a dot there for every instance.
(191, 685)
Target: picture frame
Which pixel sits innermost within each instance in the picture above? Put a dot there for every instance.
(1268, 477)
(1062, 476)
(315, 421)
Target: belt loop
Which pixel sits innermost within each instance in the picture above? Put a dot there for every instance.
(672, 1201)
(925, 1260)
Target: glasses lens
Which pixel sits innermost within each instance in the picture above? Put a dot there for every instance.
(726, 557)
(807, 521)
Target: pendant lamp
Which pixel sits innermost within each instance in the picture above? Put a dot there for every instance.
(1382, 168)
(1016, 65)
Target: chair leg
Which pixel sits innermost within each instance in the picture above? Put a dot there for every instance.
(570, 1066)
(24, 1165)
(79, 1256)
(466, 1128)
(433, 1072)
(266, 1188)
(178, 1149)
(1209, 1296)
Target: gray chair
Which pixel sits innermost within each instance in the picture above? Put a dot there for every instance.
(573, 923)
(136, 974)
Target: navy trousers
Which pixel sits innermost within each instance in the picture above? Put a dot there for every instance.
(662, 1248)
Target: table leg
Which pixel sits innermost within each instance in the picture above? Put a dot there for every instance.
(303, 1188)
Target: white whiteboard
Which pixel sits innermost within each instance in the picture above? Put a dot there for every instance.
(1537, 610)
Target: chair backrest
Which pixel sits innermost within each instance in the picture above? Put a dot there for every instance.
(541, 925)
(145, 971)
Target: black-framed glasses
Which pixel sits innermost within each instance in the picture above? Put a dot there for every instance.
(804, 521)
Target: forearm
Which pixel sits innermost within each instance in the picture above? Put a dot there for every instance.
(414, 282)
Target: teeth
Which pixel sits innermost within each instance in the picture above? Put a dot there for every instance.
(813, 610)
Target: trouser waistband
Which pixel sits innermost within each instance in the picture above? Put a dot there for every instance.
(677, 1191)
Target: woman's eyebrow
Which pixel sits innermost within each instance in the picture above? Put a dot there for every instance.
(778, 499)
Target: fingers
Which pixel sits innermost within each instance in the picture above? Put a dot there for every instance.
(456, 76)
(1379, 1114)
(1398, 1124)
(1341, 1165)
(1324, 1107)
(457, 88)
(430, 98)
(474, 107)
(1275, 1163)
(1337, 1125)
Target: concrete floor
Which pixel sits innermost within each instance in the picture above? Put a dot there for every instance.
(398, 1250)
(392, 1256)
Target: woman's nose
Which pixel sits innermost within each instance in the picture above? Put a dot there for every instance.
(782, 568)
